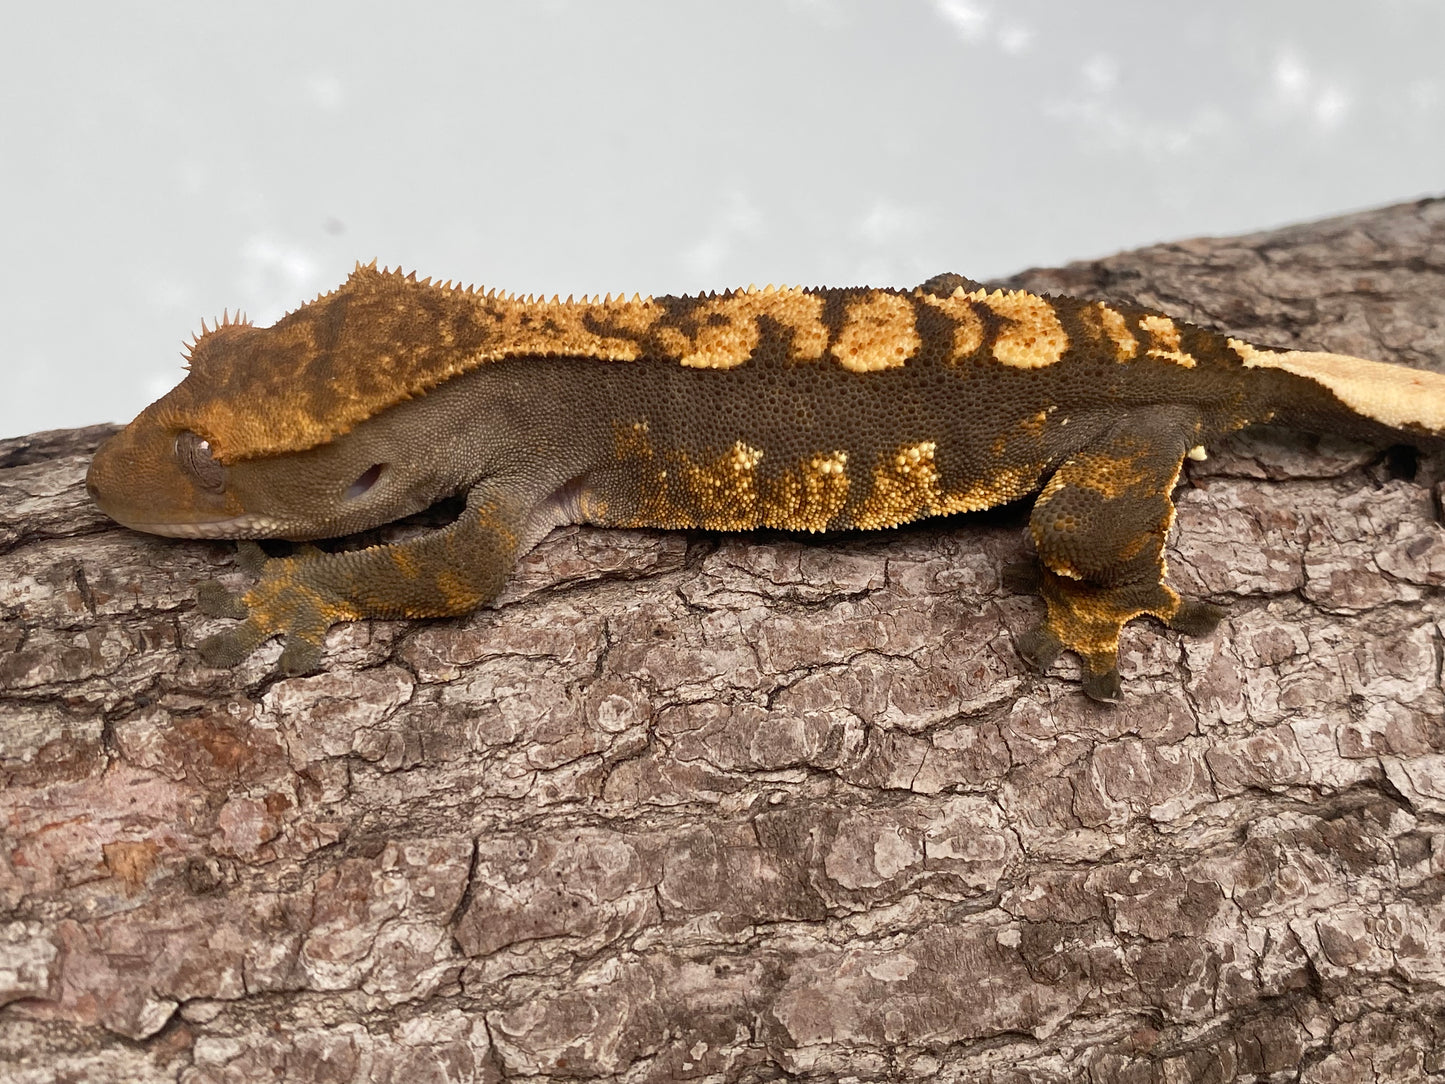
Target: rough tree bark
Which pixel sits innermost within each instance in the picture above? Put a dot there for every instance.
(757, 808)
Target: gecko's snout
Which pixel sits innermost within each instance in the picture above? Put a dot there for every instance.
(96, 472)
(139, 479)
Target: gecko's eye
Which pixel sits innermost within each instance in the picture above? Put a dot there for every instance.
(194, 454)
(365, 482)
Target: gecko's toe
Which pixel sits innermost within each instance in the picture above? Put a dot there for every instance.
(229, 648)
(250, 556)
(1105, 688)
(1040, 647)
(213, 600)
(1196, 618)
(299, 656)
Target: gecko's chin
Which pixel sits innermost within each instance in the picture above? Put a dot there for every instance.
(248, 526)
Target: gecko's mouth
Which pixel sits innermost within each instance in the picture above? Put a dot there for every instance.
(249, 526)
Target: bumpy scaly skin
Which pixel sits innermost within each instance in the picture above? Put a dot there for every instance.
(451, 571)
(800, 409)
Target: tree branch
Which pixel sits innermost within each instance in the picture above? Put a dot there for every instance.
(760, 807)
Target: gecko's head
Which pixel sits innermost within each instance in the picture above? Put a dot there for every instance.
(165, 479)
(241, 449)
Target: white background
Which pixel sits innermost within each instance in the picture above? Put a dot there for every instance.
(161, 161)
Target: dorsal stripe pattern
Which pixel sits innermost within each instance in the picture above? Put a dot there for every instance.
(383, 337)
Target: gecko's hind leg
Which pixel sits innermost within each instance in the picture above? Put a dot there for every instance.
(1099, 525)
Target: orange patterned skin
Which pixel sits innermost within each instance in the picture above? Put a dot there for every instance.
(801, 409)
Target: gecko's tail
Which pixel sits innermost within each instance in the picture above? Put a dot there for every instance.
(1323, 392)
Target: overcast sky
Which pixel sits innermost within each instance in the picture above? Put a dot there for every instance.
(161, 161)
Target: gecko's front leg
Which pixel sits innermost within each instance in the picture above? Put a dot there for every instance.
(445, 573)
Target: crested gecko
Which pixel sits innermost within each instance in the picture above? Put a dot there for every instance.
(803, 409)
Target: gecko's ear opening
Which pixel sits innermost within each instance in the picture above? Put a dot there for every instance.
(365, 482)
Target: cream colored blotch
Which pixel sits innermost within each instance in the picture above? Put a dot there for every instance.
(1391, 394)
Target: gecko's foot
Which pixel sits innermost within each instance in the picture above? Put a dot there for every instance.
(286, 601)
(301, 655)
(1087, 619)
